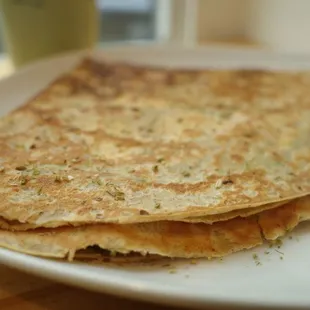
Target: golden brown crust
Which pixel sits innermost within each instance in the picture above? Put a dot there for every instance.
(117, 143)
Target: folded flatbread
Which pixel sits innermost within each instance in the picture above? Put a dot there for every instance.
(170, 239)
(114, 143)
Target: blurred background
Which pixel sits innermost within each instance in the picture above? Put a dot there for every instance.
(280, 25)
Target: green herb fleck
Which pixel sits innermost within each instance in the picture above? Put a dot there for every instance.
(23, 180)
(256, 260)
(98, 181)
(157, 205)
(115, 192)
(226, 114)
(279, 252)
(281, 257)
(113, 253)
(173, 271)
(155, 169)
(36, 171)
(278, 243)
(160, 160)
(290, 237)
(40, 190)
(266, 252)
(186, 174)
(246, 166)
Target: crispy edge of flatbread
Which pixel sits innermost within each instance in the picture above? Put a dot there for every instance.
(212, 218)
(208, 219)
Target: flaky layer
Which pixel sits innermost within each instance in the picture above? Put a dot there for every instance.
(207, 219)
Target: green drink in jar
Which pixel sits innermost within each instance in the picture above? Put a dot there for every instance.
(35, 29)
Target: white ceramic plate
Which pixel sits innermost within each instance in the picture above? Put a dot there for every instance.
(280, 278)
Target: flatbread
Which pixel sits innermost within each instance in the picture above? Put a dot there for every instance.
(123, 144)
(169, 239)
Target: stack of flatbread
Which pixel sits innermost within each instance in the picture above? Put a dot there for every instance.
(175, 163)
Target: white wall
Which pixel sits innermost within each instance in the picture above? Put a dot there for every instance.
(221, 19)
(279, 24)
